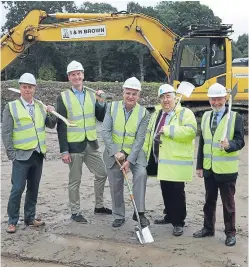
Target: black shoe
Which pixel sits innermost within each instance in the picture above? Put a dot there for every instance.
(203, 233)
(177, 231)
(230, 241)
(163, 220)
(118, 222)
(78, 218)
(143, 220)
(102, 211)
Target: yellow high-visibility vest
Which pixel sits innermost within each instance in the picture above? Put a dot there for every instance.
(220, 161)
(26, 134)
(84, 117)
(124, 132)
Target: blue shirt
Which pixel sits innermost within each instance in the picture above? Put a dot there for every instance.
(127, 113)
(80, 96)
(167, 119)
(219, 115)
(27, 105)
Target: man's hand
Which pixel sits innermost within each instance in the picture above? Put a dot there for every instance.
(50, 108)
(161, 130)
(98, 97)
(125, 166)
(224, 144)
(199, 173)
(66, 158)
(120, 156)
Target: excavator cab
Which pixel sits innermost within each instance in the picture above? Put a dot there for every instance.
(200, 58)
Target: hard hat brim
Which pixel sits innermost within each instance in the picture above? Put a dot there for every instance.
(217, 95)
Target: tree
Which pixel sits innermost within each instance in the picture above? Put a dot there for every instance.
(242, 44)
(179, 15)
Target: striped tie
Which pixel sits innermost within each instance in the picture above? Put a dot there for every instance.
(31, 111)
(214, 124)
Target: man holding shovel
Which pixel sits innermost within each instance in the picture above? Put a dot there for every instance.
(123, 132)
(23, 133)
(218, 161)
(169, 147)
(79, 144)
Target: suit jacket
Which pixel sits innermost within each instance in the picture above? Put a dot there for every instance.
(7, 130)
(75, 147)
(152, 165)
(237, 143)
(137, 154)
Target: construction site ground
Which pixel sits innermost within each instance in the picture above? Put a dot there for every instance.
(62, 242)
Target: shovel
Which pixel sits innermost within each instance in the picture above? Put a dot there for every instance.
(53, 112)
(186, 89)
(231, 98)
(143, 234)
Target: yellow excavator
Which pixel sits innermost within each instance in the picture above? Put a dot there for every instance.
(202, 57)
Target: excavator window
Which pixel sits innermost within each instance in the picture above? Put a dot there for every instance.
(218, 52)
(193, 64)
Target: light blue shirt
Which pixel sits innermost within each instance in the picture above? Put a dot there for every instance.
(27, 107)
(127, 113)
(219, 115)
(80, 96)
(167, 119)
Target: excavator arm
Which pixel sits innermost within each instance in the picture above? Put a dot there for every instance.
(89, 27)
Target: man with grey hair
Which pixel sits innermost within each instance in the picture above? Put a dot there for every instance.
(169, 147)
(123, 132)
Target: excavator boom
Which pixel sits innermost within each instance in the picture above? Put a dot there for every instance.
(90, 27)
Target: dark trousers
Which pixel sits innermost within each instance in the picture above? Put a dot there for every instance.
(227, 192)
(175, 201)
(28, 171)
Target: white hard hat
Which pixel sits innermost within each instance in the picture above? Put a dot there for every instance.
(165, 88)
(132, 83)
(27, 78)
(216, 90)
(74, 65)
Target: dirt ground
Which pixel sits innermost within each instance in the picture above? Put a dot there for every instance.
(62, 242)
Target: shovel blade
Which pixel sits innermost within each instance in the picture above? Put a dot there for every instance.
(144, 236)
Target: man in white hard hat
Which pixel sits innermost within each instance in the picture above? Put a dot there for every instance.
(23, 134)
(123, 132)
(169, 148)
(218, 162)
(79, 144)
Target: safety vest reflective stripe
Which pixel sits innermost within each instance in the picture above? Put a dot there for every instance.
(191, 126)
(217, 158)
(22, 128)
(24, 141)
(121, 134)
(175, 162)
(80, 130)
(171, 131)
(181, 115)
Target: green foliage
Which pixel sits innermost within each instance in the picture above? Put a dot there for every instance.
(242, 45)
(47, 73)
(111, 60)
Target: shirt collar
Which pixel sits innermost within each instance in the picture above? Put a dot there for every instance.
(169, 113)
(77, 92)
(126, 110)
(25, 103)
